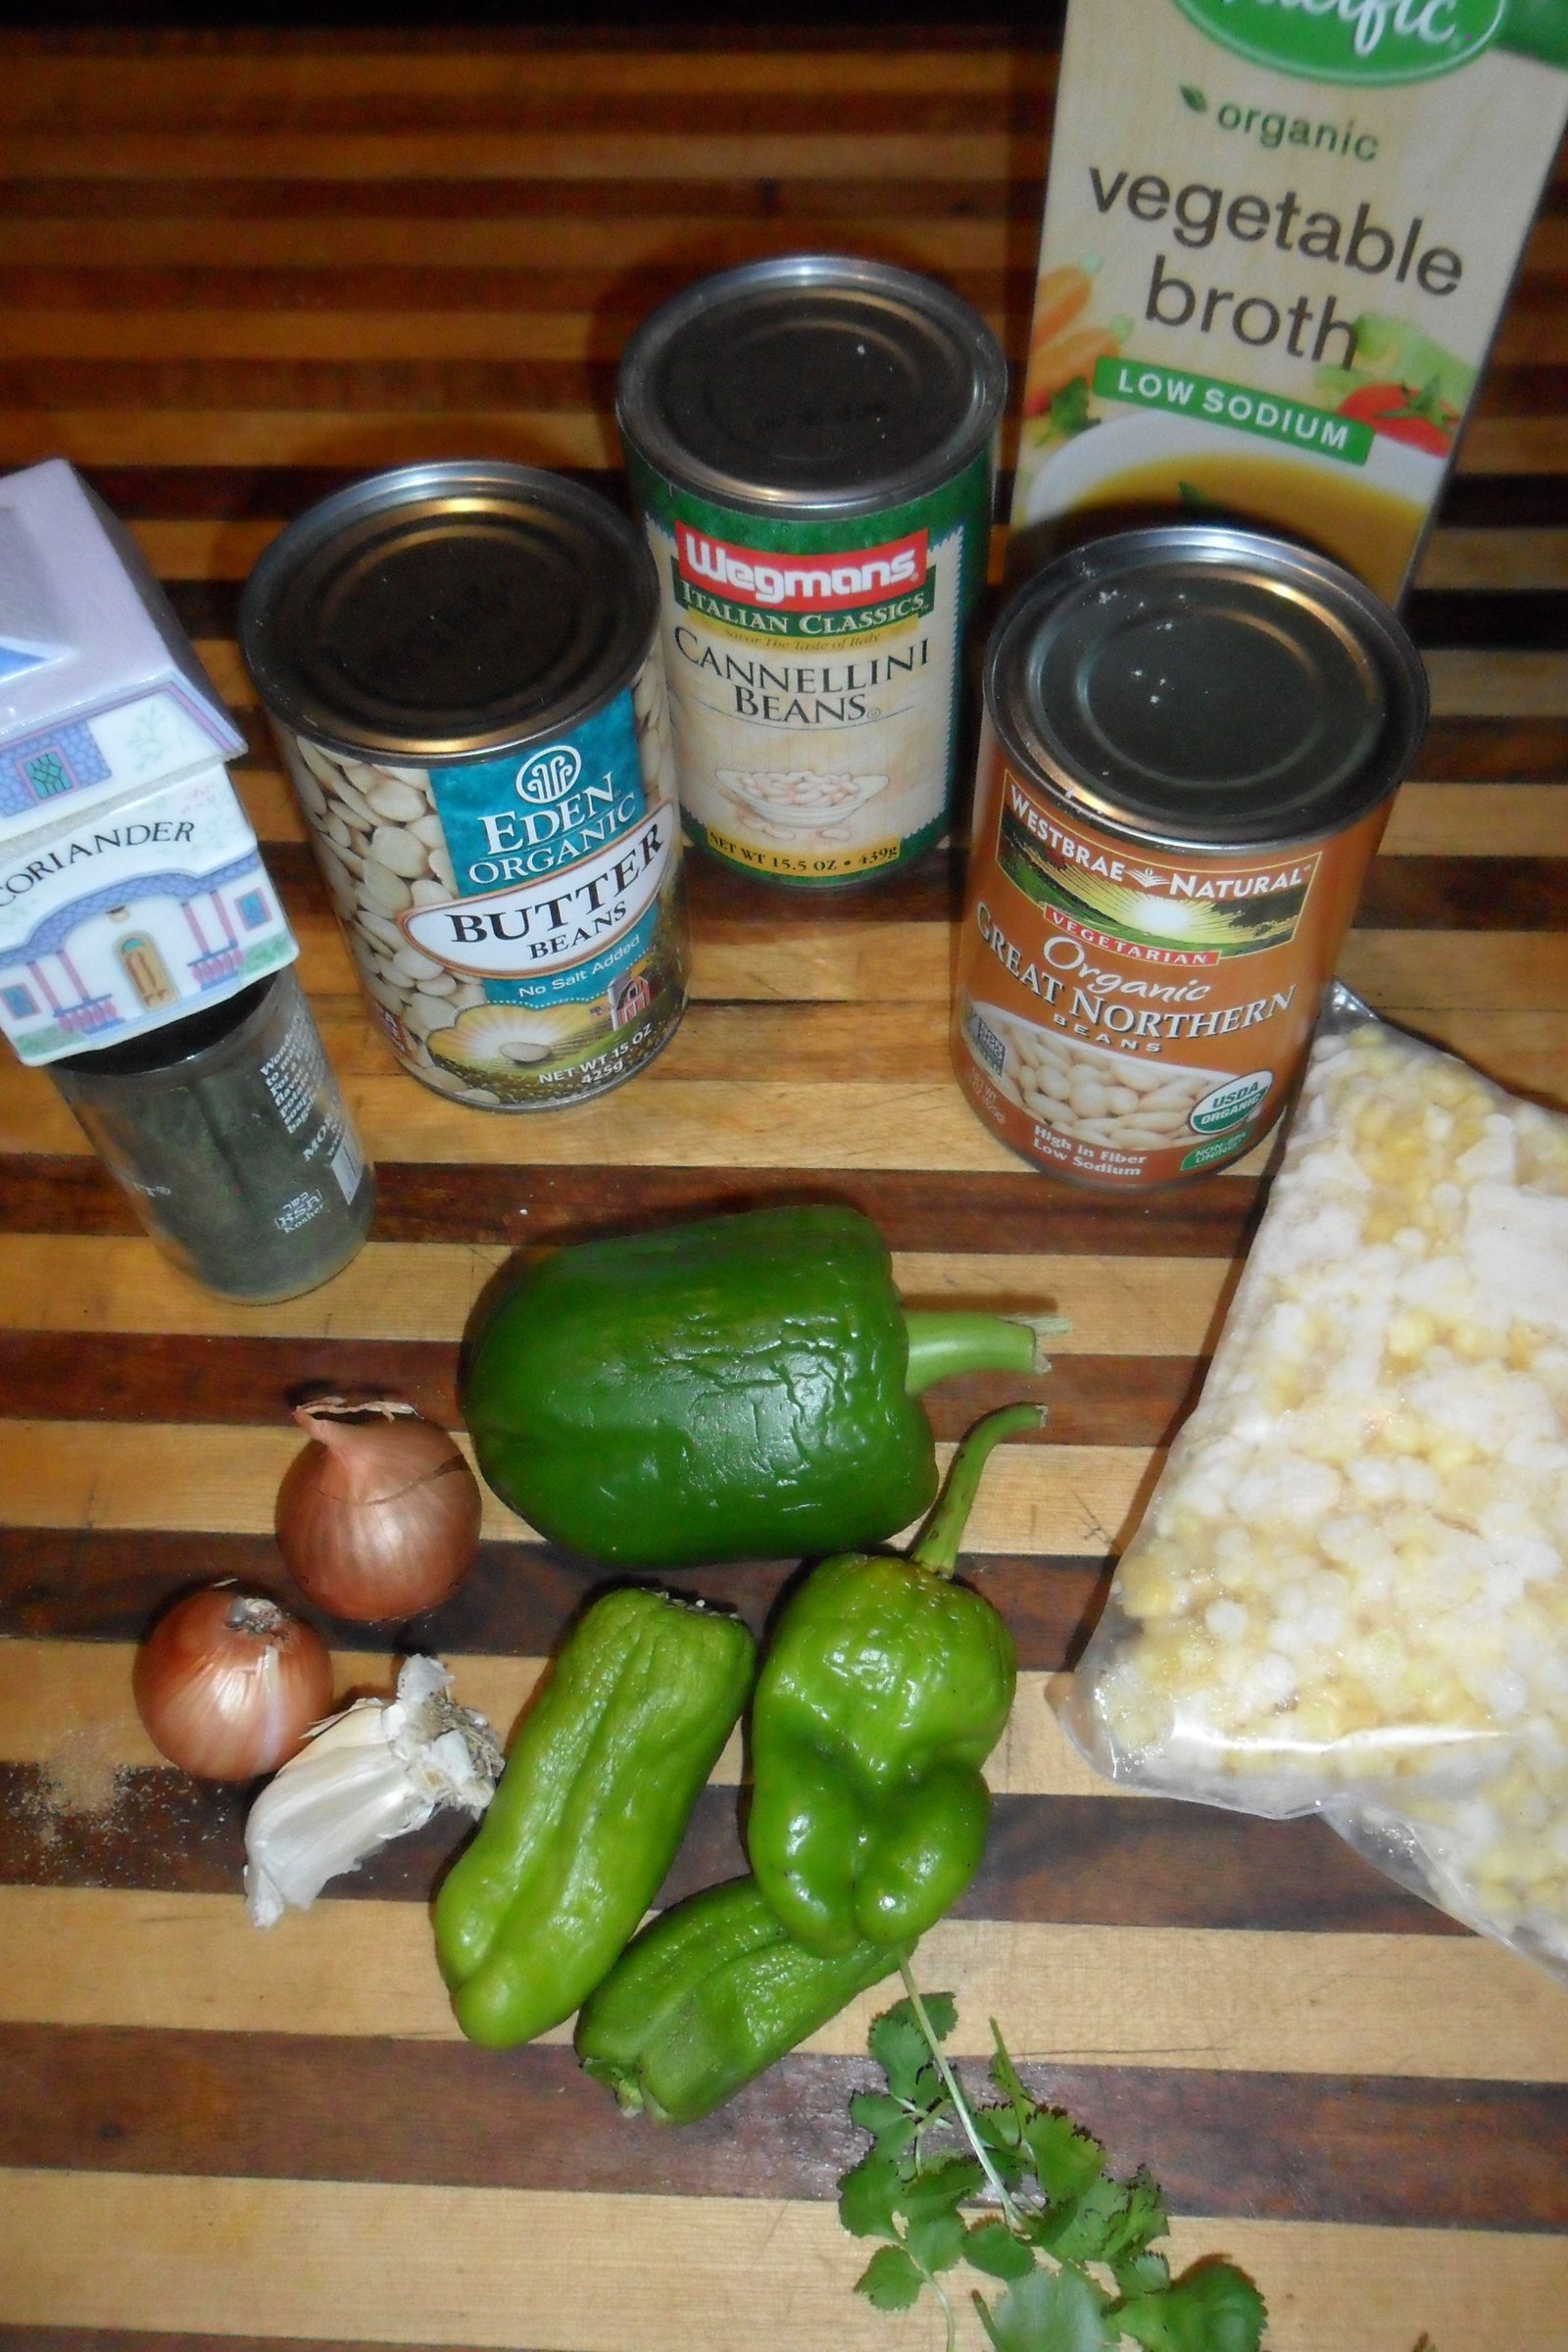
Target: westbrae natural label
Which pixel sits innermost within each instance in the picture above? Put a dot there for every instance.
(1127, 1016)
(814, 670)
(1278, 235)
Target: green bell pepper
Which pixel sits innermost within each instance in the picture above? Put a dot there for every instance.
(743, 1388)
(884, 1689)
(598, 1787)
(709, 1994)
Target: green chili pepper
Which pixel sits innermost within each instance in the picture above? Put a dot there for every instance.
(709, 1995)
(884, 1688)
(598, 1785)
(743, 1388)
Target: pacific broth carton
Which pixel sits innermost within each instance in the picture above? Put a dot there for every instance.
(1277, 236)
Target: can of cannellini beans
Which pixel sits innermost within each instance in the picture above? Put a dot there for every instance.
(811, 444)
(461, 665)
(1191, 739)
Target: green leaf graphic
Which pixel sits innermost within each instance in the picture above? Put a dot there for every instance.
(1194, 98)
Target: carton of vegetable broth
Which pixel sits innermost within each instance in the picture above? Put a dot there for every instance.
(1274, 256)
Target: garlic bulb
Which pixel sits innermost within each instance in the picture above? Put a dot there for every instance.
(366, 1776)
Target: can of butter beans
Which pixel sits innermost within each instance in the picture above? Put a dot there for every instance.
(461, 664)
(811, 444)
(1191, 743)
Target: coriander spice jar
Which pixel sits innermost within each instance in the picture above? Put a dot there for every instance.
(227, 1130)
(1191, 740)
(810, 447)
(461, 665)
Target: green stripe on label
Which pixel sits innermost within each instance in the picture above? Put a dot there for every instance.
(1247, 410)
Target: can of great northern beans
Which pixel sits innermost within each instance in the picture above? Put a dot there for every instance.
(462, 667)
(811, 444)
(1191, 743)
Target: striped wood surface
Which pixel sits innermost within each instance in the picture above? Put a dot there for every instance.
(234, 273)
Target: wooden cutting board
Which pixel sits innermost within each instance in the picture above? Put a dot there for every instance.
(234, 272)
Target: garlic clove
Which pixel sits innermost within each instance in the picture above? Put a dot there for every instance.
(375, 1771)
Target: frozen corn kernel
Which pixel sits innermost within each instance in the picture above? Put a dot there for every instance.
(1352, 1578)
(1156, 1585)
(1411, 1333)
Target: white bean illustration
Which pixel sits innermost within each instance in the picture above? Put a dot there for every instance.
(1093, 1095)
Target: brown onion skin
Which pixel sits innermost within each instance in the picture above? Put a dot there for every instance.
(379, 1518)
(226, 1701)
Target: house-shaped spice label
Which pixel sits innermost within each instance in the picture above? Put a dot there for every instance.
(131, 889)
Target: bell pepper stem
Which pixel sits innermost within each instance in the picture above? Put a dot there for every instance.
(937, 1547)
(944, 1347)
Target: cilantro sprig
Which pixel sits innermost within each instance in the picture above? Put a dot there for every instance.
(1070, 2243)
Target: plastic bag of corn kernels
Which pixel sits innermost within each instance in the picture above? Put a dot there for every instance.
(1349, 1592)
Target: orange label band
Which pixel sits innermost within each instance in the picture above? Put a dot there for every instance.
(1127, 1016)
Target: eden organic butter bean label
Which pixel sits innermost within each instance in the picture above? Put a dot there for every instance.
(1278, 234)
(813, 669)
(518, 921)
(1129, 1017)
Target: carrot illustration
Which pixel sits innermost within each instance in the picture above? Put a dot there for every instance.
(1060, 296)
(1055, 364)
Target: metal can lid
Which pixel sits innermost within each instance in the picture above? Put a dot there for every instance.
(1206, 687)
(812, 383)
(448, 611)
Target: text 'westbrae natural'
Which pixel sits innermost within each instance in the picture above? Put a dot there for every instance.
(1175, 881)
